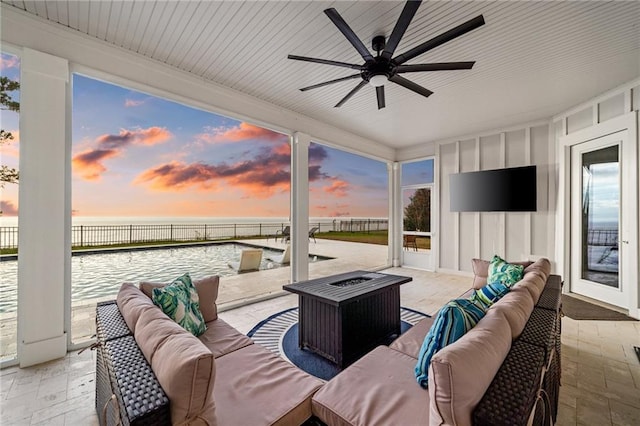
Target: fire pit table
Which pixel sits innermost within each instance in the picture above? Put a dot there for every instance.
(344, 316)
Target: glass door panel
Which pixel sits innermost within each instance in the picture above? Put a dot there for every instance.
(600, 215)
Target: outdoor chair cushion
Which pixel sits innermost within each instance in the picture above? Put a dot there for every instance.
(132, 302)
(256, 387)
(460, 374)
(410, 341)
(207, 289)
(378, 389)
(182, 364)
(516, 306)
(221, 339)
(489, 294)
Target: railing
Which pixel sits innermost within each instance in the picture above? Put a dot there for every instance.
(602, 237)
(104, 235)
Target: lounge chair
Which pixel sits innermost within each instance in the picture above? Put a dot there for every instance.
(284, 258)
(249, 260)
(312, 233)
(284, 234)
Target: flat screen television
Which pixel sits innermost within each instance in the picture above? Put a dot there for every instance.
(501, 190)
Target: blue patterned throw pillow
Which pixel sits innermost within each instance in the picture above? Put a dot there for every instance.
(503, 272)
(489, 294)
(179, 300)
(452, 322)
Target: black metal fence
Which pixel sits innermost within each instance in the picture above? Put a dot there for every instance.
(104, 235)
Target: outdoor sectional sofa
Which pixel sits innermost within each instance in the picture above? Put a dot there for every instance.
(506, 370)
(159, 373)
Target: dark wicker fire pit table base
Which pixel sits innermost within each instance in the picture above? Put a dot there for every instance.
(344, 316)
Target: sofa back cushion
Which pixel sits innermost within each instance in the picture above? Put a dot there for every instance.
(516, 306)
(207, 289)
(183, 365)
(132, 302)
(460, 373)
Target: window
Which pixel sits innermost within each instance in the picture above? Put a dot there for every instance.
(417, 192)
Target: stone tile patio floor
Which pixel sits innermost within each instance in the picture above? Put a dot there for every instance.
(601, 374)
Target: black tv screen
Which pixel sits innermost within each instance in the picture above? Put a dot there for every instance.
(501, 190)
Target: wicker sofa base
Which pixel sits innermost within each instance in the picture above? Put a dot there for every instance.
(127, 391)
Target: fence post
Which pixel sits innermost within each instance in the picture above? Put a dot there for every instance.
(235, 233)
(171, 233)
(260, 230)
(81, 235)
(130, 234)
(205, 232)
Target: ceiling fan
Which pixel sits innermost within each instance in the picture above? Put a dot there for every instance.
(384, 67)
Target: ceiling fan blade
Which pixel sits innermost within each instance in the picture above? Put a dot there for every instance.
(441, 66)
(351, 93)
(411, 85)
(380, 96)
(325, 62)
(326, 83)
(461, 29)
(410, 9)
(348, 33)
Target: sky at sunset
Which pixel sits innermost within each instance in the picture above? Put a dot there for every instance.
(134, 154)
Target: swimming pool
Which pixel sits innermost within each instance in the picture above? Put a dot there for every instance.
(99, 274)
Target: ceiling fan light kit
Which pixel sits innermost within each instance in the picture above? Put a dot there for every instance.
(384, 68)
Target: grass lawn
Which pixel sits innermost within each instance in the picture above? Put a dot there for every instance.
(373, 237)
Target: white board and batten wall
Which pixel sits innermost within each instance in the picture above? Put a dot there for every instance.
(511, 235)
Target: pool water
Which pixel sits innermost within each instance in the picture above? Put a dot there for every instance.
(99, 275)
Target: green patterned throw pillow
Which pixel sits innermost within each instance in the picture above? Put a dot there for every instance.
(505, 273)
(179, 300)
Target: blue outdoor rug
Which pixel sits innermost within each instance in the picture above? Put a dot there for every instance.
(279, 333)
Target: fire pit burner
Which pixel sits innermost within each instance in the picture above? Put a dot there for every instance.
(347, 283)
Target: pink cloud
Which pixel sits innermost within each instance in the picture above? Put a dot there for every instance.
(9, 61)
(150, 136)
(340, 214)
(338, 188)
(8, 208)
(242, 132)
(89, 164)
(10, 147)
(128, 103)
(260, 177)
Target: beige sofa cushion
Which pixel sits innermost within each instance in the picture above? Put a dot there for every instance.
(256, 387)
(378, 389)
(221, 339)
(207, 289)
(182, 364)
(132, 303)
(460, 373)
(481, 271)
(410, 341)
(516, 306)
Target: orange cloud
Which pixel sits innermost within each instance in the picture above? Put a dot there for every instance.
(9, 61)
(8, 208)
(88, 164)
(151, 136)
(262, 176)
(128, 103)
(242, 132)
(338, 188)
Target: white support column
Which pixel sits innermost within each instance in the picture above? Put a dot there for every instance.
(300, 207)
(395, 214)
(43, 207)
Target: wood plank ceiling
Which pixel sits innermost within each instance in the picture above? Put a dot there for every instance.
(533, 59)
